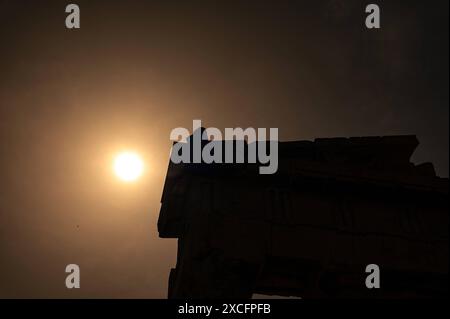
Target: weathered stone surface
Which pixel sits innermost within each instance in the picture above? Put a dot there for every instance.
(334, 206)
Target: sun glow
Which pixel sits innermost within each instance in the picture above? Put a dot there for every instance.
(128, 166)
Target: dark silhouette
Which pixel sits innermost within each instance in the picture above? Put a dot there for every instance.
(334, 206)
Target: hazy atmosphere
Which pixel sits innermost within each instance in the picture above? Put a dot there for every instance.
(71, 100)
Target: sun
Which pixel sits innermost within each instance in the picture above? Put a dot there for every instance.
(128, 166)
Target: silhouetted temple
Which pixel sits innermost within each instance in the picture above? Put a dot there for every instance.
(334, 206)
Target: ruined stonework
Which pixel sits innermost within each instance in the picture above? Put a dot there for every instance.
(334, 206)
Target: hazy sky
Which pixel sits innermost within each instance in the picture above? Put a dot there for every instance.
(71, 99)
